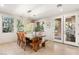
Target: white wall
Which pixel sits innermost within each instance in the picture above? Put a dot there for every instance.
(11, 36)
(7, 37)
(48, 31)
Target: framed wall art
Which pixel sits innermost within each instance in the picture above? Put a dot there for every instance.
(7, 24)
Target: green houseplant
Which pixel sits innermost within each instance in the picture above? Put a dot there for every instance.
(20, 26)
(39, 27)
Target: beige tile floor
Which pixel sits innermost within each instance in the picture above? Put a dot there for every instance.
(52, 48)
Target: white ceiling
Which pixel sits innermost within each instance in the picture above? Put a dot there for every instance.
(38, 10)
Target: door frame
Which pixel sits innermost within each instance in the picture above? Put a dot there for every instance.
(61, 41)
(68, 42)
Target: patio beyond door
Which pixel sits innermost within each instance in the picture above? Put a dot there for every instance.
(65, 30)
(70, 30)
(58, 30)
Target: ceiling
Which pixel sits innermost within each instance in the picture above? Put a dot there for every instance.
(37, 11)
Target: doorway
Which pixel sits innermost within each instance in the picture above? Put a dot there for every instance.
(65, 30)
(58, 30)
(70, 30)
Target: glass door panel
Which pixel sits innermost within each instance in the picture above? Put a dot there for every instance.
(70, 29)
(57, 30)
(69, 34)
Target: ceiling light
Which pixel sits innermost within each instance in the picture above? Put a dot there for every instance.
(29, 11)
(60, 7)
(1, 5)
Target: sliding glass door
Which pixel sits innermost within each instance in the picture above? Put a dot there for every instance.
(65, 30)
(69, 30)
(57, 30)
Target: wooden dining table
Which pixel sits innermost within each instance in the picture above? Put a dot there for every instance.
(36, 41)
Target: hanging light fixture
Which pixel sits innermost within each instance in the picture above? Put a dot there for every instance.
(59, 6)
(29, 11)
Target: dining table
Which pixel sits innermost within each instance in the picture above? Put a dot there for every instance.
(33, 37)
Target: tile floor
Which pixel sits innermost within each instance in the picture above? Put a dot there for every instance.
(52, 48)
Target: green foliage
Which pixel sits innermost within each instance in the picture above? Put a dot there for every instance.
(39, 28)
(7, 23)
(20, 26)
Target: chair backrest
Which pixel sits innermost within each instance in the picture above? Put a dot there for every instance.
(18, 36)
(36, 40)
(21, 36)
(40, 40)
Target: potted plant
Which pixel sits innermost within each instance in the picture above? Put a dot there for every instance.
(39, 29)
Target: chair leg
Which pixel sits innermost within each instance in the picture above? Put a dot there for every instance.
(21, 44)
(24, 46)
(18, 42)
(34, 47)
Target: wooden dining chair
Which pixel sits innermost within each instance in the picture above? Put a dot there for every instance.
(35, 43)
(44, 43)
(18, 38)
(21, 39)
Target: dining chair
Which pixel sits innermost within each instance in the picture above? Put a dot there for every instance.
(36, 43)
(21, 39)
